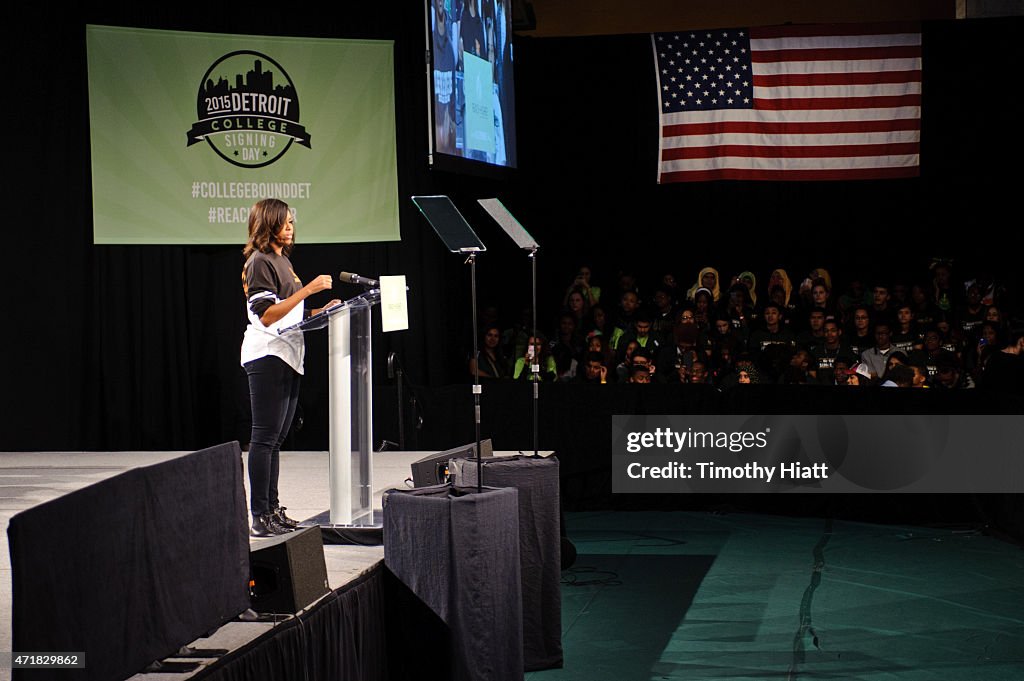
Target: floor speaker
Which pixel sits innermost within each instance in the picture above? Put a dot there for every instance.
(288, 572)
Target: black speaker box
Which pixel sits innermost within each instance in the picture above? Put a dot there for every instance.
(288, 572)
(433, 469)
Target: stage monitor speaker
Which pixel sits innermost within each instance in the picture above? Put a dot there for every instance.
(433, 469)
(288, 572)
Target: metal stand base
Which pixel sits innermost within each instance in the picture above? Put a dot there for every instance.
(369, 534)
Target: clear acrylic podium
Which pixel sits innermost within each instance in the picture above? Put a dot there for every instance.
(351, 407)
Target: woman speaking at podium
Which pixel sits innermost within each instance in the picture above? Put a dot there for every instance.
(273, 362)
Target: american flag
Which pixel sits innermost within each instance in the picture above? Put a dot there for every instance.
(836, 102)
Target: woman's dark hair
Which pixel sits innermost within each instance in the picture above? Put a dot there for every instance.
(265, 220)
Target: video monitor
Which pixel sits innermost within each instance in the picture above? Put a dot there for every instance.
(472, 98)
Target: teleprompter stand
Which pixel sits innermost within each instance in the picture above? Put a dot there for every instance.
(523, 240)
(459, 237)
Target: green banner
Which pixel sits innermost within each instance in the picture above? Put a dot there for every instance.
(189, 130)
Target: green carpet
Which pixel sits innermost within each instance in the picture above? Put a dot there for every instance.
(701, 596)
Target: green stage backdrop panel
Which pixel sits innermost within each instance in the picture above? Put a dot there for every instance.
(188, 130)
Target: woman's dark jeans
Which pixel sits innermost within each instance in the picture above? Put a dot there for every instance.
(273, 392)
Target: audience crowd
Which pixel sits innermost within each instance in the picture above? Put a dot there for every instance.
(931, 332)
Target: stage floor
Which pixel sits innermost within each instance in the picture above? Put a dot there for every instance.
(31, 478)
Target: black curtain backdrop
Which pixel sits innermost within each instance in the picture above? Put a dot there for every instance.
(136, 347)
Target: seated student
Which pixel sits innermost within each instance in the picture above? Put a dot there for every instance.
(881, 308)
(598, 321)
(641, 373)
(992, 292)
(745, 373)
(925, 312)
(901, 376)
(896, 358)
(623, 367)
(596, 343)
(576, 304)
(722, 330)
(567, 347)
(971, 314)
(989, 340)
(707, 278)
(780, 278)
(825, 355)
(627, 282)
(738, 310)
(723, 359)
(663, 316)
(943, 295)
(814, 335)
(798, 371)
(750, 281)
(1004, 368)
(682, 352)
(920, 377)
(491, 360)
(951, 376)
(592, 294)
(930, 355)
(641, 362)
(858, 376)
(875, 358)
(629, 303)
(678, 375)
(772, 333)
(687, 317)
(703, 310)
(535, 348)
(952, 337)
(594, 370)
(840, 372)
(641, 333)
(777, 295)
(994, 314)
(669, 283)
(821, 297)
(698, 374)
(905, 337)
(822, 274)
(861, 336)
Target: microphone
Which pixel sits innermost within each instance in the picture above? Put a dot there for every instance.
(350, 278)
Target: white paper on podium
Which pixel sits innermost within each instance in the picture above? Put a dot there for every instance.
(394, 311)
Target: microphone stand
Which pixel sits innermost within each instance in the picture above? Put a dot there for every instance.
(477, 388)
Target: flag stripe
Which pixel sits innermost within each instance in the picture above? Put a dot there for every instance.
(803, 151)
(836, 54)
(841, 66)
(762, 139)
(829, 42)
(803, 104)
(788, 163)
(828, 91)
(860, 78)
(838, 30)
(823, 127)
(790, 175)
(823, 115)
